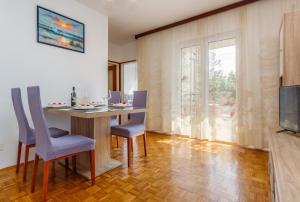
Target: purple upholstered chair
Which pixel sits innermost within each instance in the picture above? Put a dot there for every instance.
(26, 134)
(49, 148)
(136, 126)
(115, 97)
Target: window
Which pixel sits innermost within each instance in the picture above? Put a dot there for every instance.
(130, 79)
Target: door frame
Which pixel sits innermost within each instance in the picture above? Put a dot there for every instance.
(113, 68)
(116, 74)
(120, 73)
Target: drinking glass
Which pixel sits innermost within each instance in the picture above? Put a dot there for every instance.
(107, 98)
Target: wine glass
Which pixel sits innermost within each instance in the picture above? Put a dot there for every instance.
(109, 95)
(107, 98)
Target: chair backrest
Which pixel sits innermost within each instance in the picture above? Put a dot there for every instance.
(43, 141)
(24, 129)
(115, 97)
(139, 101)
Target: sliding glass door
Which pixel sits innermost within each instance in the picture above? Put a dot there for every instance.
(190, 65)
(208, 90)
(222, 89)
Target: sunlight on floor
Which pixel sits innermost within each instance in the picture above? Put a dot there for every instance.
(194, 144)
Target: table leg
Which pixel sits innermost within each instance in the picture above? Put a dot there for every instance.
(98, 129)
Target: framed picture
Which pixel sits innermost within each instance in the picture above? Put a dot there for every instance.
(57, 30)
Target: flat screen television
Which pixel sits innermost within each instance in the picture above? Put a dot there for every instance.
(289, 108)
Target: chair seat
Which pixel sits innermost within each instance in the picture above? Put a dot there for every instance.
(128, 130)
(56, 132)
(70, 144)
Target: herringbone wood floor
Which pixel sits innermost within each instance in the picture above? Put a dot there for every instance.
(176, 169)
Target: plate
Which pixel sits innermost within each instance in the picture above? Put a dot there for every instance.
(84, 107)
(97, 104)
(56, 105)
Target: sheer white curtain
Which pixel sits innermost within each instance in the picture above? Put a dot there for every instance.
(162, 57)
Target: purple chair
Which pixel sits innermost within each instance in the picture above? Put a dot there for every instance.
(114, 99)
(50, 149)
(26, 134)
(136, 125)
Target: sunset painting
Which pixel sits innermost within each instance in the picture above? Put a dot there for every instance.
(60, 31)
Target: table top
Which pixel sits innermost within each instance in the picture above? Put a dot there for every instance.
(94, 113)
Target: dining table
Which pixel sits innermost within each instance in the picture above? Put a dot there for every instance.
(95, 124)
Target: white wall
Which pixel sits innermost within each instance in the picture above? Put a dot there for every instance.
(114, 52)
(24, 62)
(122, 53)
(129, 51)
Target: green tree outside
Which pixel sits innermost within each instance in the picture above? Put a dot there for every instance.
(221, 86)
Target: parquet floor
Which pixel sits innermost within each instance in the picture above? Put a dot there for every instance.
(176, 169)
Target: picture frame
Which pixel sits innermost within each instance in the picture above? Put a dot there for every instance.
(60, 31)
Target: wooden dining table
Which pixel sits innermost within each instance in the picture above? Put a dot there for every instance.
(94, 124)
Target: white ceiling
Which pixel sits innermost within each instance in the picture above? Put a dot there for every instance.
(130, 17)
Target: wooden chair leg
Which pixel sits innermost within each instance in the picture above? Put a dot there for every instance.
(92, 165)
(53, 170)
(35, 169)
(74, 164)
(132, 143)
(145, 144)
(66, 166)
(111, 145)
(19, 156)
(45, 180)
(129, 147)
(117, 141)
(26, 162)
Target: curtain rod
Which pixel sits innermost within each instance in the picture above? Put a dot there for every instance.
(197, 17)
